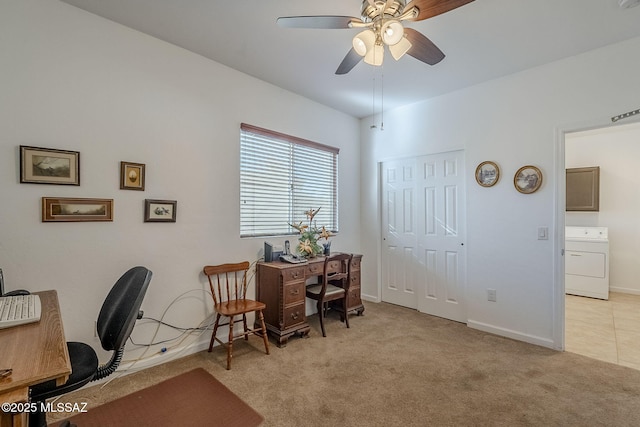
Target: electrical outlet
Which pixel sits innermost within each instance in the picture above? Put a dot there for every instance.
(491, 295)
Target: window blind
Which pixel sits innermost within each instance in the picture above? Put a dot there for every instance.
(281, 177)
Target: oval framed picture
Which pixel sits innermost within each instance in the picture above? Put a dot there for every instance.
(487, 174)
(527, 179)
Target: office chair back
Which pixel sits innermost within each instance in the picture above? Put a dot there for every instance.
(118, 315)
(121, 308)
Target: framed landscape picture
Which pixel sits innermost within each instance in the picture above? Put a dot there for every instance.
(56, 209)
(49, 166)
(131, 176)
(527, 179)
(487, 174)
(160, 210)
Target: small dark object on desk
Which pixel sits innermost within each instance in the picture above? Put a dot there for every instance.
(17, 292)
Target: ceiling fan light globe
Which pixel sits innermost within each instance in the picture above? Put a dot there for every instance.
(375, 56)
(359, 47)
(399, 49)
(363, 42)
(392, 32)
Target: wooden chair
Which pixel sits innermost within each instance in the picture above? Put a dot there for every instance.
(334, 285)
(228, 284)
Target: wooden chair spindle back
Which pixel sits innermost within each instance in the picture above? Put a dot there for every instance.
(227, 281)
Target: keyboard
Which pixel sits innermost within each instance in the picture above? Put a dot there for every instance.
(19, 309)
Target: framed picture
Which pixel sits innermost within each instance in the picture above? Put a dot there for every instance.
(160, 210)
(131, 176)
(49, 166)
(56, 209)
(487, 174)
(527, 179)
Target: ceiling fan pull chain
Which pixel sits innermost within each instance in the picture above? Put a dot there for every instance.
(373, 102)
(382, 98)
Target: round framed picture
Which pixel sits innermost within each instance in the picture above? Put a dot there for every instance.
(487, 174)
(527, 179)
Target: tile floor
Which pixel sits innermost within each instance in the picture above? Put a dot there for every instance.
(604, 330)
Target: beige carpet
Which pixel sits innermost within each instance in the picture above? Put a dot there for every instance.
(397, 367)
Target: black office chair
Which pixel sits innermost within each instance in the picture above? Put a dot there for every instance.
(115, 323)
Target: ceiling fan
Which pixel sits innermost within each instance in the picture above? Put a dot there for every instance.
(381, 22)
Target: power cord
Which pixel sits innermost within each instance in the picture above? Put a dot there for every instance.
(201, 328)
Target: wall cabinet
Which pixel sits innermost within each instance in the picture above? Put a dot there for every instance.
(583, 189)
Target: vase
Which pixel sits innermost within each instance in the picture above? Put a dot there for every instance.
(327, 248)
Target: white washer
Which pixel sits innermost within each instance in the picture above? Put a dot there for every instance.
(587, 261)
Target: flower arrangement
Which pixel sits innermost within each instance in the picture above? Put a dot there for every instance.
(310, 234)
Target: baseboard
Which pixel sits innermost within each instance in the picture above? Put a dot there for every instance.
(624, 290)
(370, 298)
(163, 357)
(508, 333)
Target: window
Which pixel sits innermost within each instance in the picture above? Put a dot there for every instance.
(281, 177)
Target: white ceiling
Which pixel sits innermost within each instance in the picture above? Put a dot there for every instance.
(483, 40)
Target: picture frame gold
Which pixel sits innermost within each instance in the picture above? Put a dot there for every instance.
(487, 174)
(58, 209)
(527, 179)
(49, 166)
(160, 210)
(132, 176)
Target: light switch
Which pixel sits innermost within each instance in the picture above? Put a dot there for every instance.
(543, 233)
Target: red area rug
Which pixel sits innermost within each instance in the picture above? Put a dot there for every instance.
(194, 398)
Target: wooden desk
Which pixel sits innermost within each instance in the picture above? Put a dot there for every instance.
(281, 286)
(37, 352)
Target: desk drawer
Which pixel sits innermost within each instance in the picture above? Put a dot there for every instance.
(293, 293)
(355, 279)
(293, 274)
(293, 315)
(315, 269)
(353, 299)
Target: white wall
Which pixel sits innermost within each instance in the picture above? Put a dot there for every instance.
(515, 120)
(616, 150)
(71, 80)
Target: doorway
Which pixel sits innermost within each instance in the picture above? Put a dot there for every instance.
(423, 234)
(597, 328)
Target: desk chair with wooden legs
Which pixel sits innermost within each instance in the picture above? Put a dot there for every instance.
(228, 284)
(334, 286)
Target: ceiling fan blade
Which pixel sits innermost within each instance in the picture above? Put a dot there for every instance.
(349, 61)
(322, 22)
(422, 48)
(430, 8)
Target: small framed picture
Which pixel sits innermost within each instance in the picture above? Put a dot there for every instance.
(49, 166)
(487, 174)
(160, 210)
(527, 179)
(131, 176)
(55, 209)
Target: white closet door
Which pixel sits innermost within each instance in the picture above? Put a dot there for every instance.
(423, 214)
(399, 234)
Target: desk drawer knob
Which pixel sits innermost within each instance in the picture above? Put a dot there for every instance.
(294, 291)
(295, 315)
